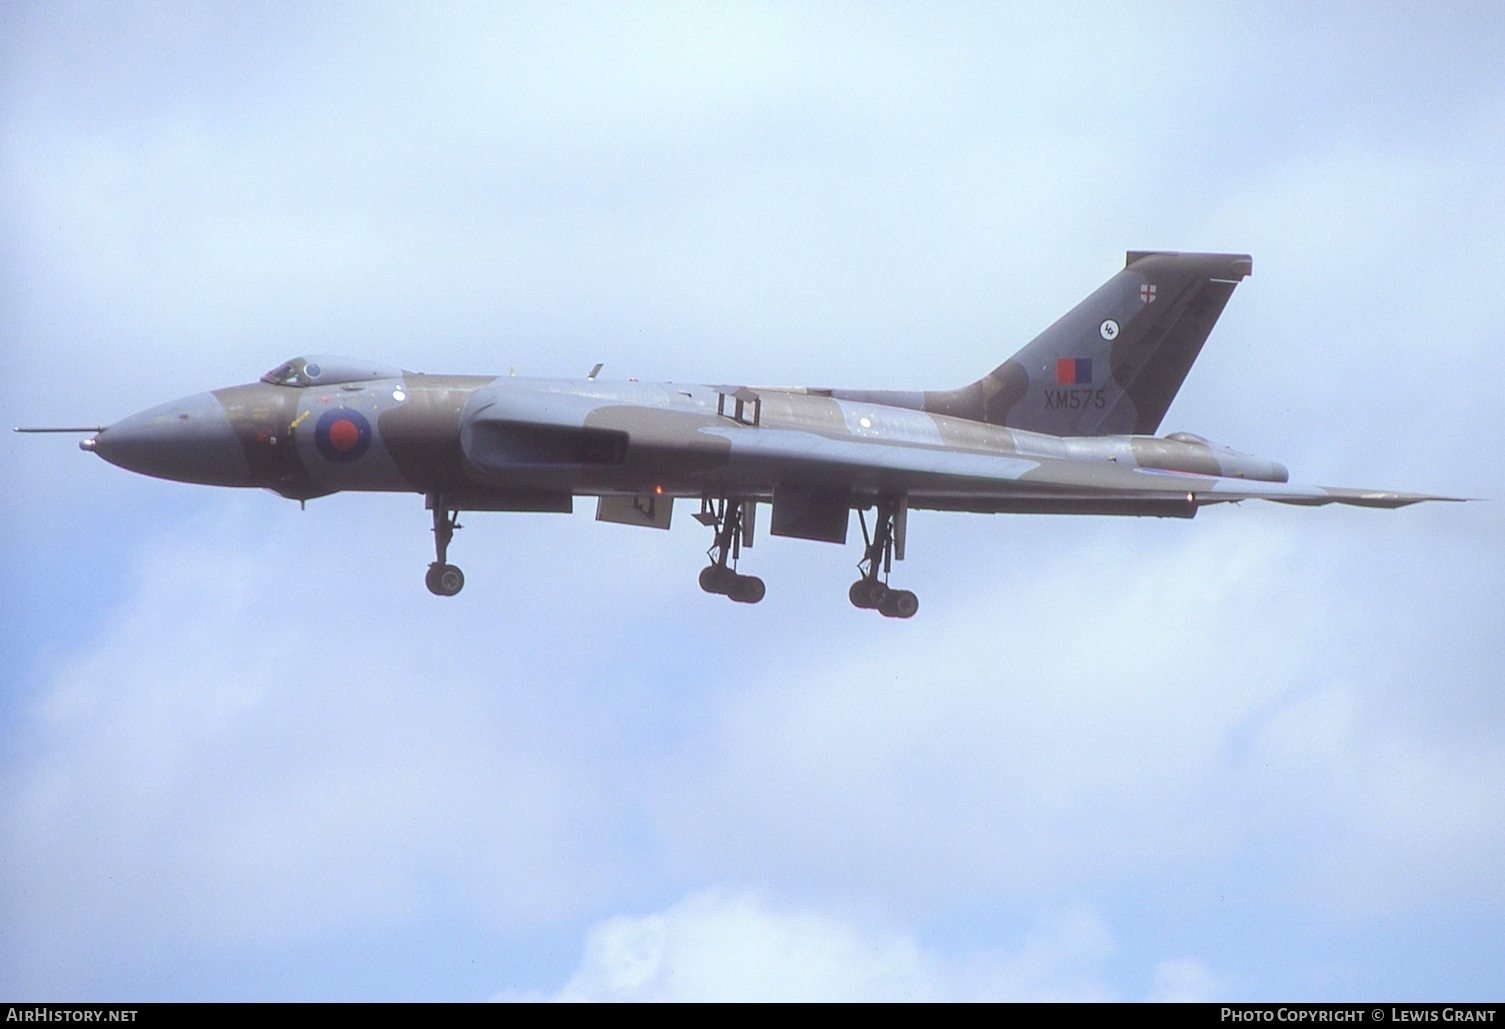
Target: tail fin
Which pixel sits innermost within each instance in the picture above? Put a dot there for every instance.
(1113, 363)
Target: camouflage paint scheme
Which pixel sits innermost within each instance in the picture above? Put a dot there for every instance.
(1064, 426)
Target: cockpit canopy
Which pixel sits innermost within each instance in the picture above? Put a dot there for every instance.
(327, 370)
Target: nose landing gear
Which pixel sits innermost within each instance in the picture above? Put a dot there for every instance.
(869, 592)
(444, 579)
(733, 522)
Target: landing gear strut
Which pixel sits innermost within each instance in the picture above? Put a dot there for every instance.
(733, 522)
(869, 592)
(444, 579)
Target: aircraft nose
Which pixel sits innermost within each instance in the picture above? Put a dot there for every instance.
(189, 440)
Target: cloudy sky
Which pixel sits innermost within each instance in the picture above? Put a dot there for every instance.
(245, 754)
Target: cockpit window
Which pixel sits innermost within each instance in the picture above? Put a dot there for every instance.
(321, 370)
(289, 373)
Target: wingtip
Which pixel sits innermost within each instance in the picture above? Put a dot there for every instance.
(1418, 498)
(1407, 499)
(1385, 498)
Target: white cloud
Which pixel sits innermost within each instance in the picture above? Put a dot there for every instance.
(1373, 815)
(281, 736)
(254, 749)
(1132, 707)
(729, 946)
(1065, 725)
(1185, 981)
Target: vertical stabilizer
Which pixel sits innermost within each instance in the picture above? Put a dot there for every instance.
(1113, 363)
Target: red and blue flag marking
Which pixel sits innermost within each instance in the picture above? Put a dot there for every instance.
(1074, 371)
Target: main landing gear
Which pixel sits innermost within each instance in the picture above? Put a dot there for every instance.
(868, 592)
(733, 522)
(444, 579)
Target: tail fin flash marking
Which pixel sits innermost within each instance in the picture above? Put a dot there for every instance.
(1074, 371)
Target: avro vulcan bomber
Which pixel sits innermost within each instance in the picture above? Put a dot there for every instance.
(1065, 426)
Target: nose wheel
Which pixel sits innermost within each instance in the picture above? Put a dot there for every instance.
(871, 592)
(444, 579)
(733, 522)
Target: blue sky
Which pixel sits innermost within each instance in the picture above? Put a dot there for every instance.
(244, 754)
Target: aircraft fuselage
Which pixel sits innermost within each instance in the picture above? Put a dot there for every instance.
(521, 441)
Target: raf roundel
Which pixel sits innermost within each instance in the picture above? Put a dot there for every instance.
(342, 434)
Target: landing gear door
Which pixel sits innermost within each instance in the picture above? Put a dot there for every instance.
(811, 514)
(648, 509)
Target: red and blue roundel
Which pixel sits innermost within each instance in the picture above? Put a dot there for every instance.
(342, 434)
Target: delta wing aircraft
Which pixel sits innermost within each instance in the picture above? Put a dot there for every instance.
(1065, 426)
